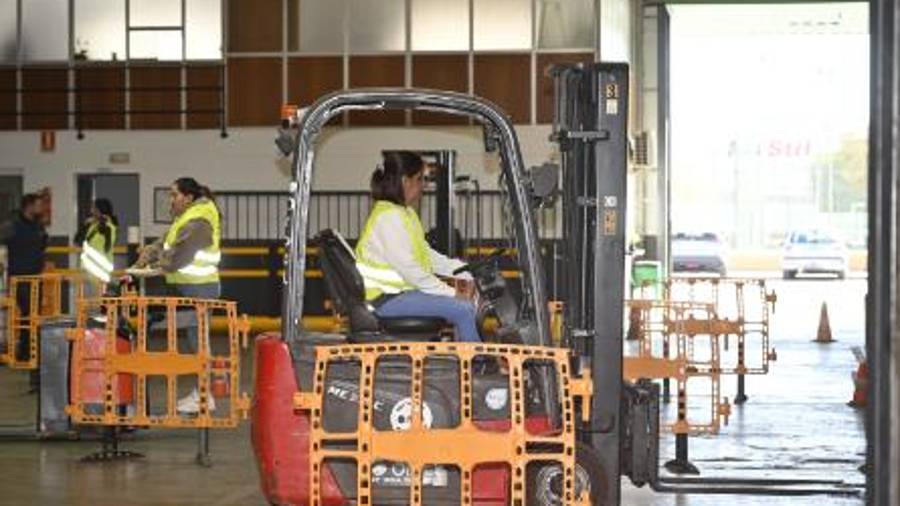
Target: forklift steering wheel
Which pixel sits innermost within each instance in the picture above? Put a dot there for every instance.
(477, 267)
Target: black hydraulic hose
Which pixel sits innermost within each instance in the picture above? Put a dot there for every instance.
(748, 490)
(751, 481)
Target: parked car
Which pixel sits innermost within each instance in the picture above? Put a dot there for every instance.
(700, 252)
(813, 251)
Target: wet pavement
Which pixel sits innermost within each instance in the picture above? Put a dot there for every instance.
(795, 425)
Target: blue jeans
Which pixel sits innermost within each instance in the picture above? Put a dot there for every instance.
(461, 313)
(198, 291)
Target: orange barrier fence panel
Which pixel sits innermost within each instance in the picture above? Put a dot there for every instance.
(133, 357)
(408, 444)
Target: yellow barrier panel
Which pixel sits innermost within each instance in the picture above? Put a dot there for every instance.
(743, 308)
(680, 340)
(44, 293)
(521, 439)
(111, 375)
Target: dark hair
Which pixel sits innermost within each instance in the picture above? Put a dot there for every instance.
(28, 199)
(106, 209)
(387, 180)
(190, 186)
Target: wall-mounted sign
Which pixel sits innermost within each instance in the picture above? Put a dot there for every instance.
(48, 141)
(119, 157)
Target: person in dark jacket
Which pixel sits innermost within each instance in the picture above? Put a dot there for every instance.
(26, 243)
(25, 238)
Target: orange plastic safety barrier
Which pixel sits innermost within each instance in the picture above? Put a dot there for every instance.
(131, 362)
(680, 340)
(45, 301)
(743, 309)
(516, 442)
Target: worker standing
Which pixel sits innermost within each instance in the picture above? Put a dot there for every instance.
(188, 255)
(397, 265)
(26, 242)
(97, 236)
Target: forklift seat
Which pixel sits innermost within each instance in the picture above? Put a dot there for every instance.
(338, 263)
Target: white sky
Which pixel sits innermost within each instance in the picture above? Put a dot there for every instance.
(757, 72)
(779, 83)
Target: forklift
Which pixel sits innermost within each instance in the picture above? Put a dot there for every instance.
(321, 401)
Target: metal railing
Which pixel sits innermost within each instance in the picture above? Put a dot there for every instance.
(263, 215)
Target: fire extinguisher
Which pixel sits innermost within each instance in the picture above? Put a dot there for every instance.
(220, 386)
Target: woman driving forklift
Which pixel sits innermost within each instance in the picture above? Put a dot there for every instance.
(399, 268)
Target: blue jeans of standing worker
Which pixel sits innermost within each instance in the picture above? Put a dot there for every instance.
(412, 303)
(198, 291)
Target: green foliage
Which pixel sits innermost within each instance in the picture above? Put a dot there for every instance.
(848, 166)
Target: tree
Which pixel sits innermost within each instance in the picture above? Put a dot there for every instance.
(840, 177)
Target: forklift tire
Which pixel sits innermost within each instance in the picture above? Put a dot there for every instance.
(544, 483)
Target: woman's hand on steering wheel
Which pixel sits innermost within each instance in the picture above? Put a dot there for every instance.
(465, 289)
(471, 267)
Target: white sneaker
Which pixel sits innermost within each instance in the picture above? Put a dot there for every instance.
(190, 404)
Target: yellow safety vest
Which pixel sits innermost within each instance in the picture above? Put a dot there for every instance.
(379, 277)
(205, 266)
(96, 260)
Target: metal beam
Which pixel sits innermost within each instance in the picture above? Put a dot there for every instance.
(882, 325)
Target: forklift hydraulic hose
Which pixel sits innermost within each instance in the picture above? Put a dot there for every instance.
(752, 481)
(755, 486)
(743, 490)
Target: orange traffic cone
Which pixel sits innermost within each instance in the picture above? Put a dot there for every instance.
(824, 333)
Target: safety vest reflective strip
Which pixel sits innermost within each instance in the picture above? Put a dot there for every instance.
(204, 266)
(95, 262)
(384, 279)
(378, 277)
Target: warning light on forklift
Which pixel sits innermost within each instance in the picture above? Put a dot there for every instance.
(288, 111)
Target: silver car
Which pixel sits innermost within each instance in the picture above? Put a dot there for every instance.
(813, 251)
(698, 252)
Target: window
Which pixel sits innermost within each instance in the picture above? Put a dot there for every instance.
(162, 45)
(156, 12)
(99, 30)
(564, 23)
(502, 24)
(377, 25)
(9, 46)
(440, 25)
(45, 30)
(320, 24)
(203, 30)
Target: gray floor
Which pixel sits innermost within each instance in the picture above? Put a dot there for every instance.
(796, 424)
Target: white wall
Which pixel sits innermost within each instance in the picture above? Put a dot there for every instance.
(616, 30)
(246, 160)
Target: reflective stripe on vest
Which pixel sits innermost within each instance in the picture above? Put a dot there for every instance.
(95, 261)
(204, 266)
(380, 278)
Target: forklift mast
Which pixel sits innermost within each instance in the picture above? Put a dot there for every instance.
(590, 127)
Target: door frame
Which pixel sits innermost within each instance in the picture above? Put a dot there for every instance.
(103, 171)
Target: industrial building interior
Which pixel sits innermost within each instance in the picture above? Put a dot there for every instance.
(678, 220)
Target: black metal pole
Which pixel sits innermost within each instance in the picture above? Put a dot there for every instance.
(203, 447)
(741, 396)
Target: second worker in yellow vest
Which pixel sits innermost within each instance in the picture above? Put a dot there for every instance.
(397, 265)
(97, 237)
(188, 254)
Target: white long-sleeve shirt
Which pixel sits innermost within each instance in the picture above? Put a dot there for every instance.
(390, 243)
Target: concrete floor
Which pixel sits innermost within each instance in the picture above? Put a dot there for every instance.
(795, 425)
